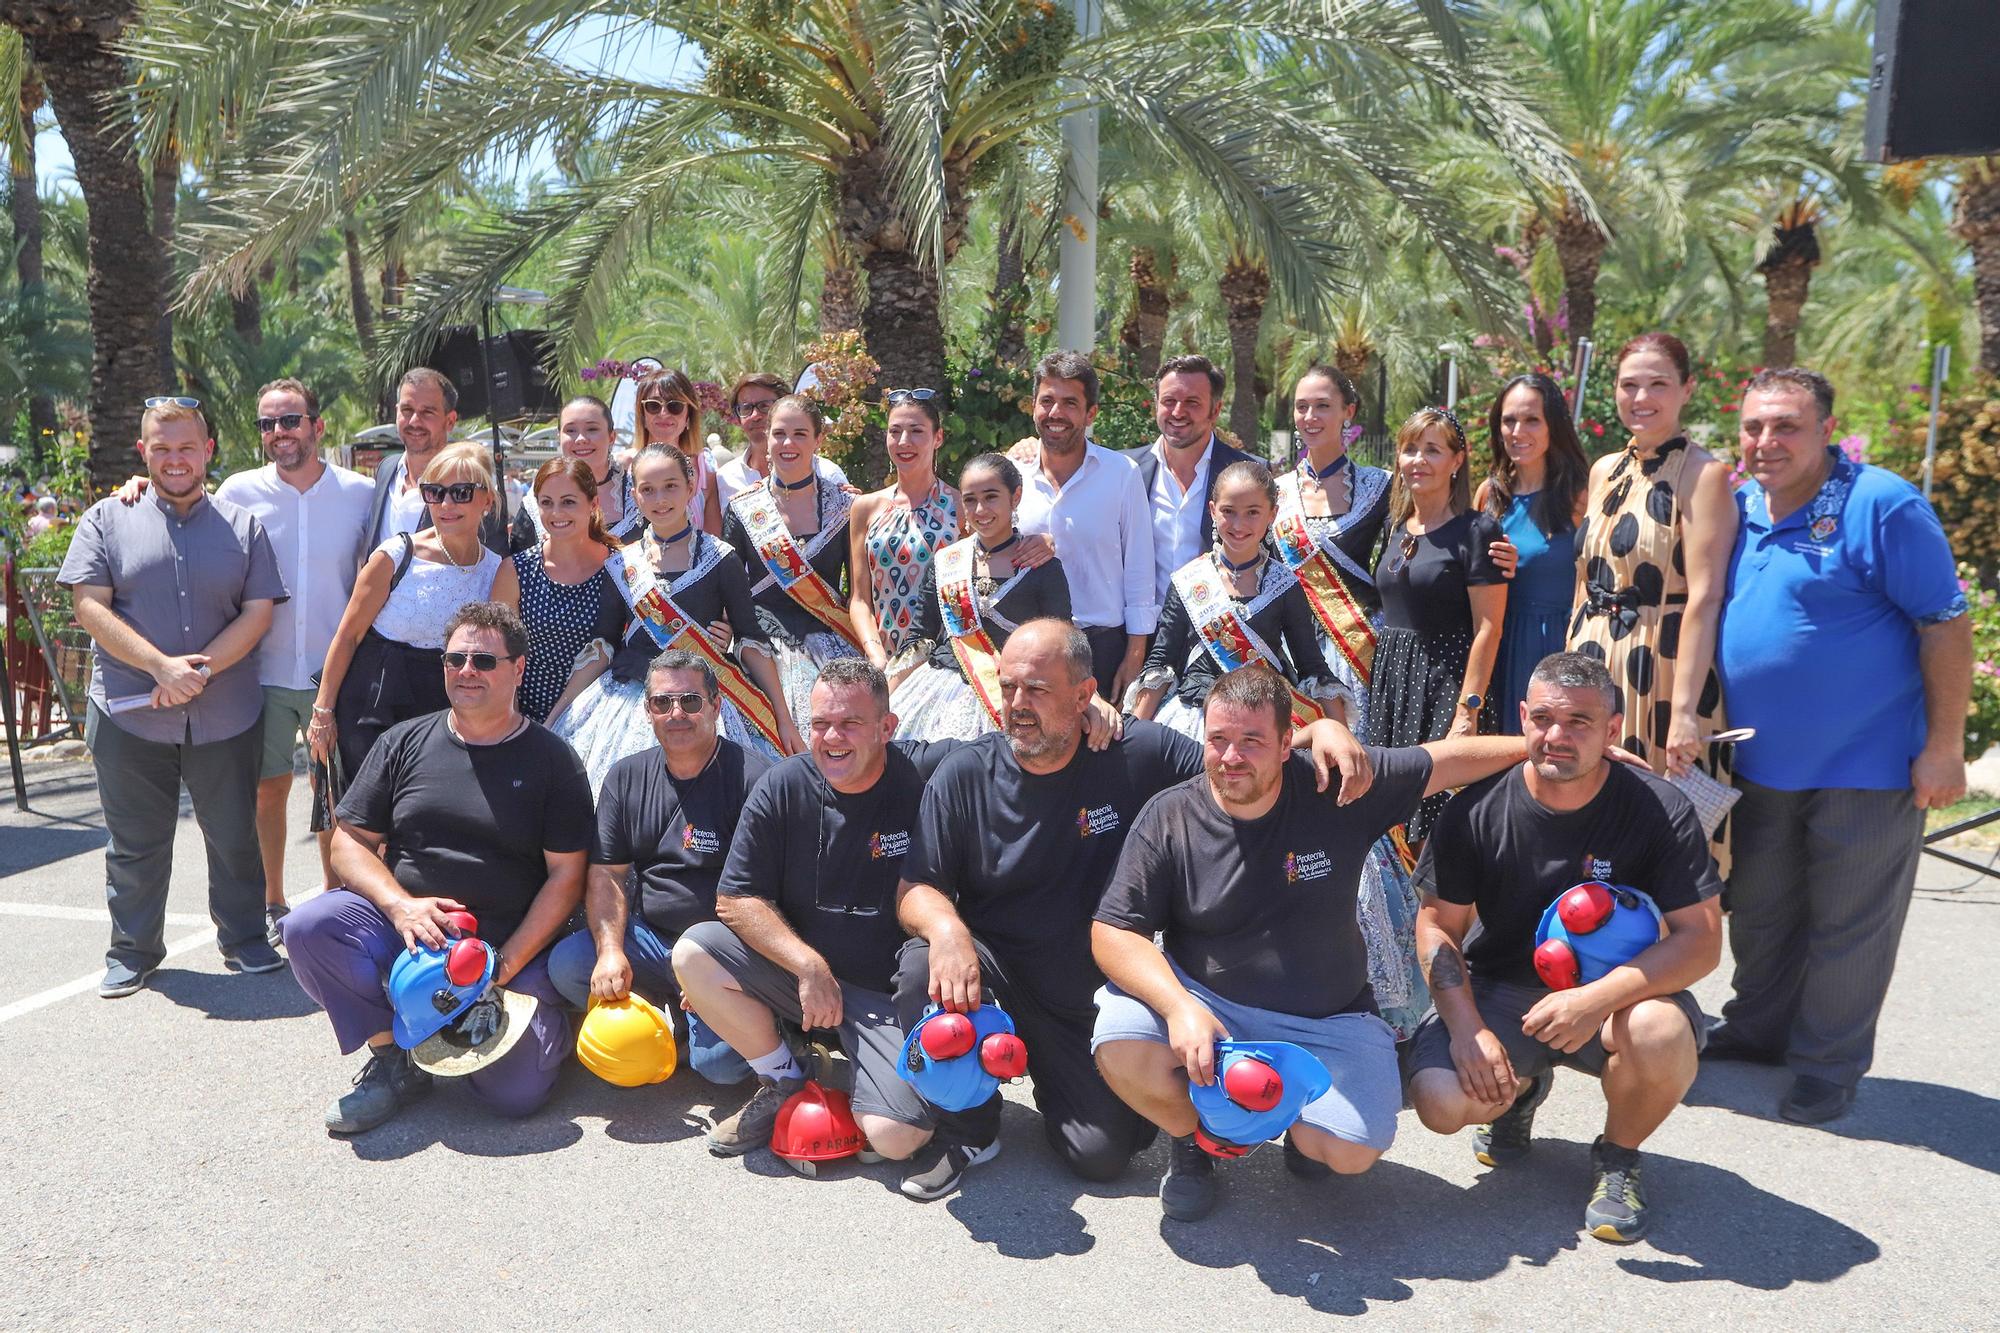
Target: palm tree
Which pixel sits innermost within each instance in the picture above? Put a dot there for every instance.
(1245, 285)
(889, 114)
(1976, 218)
(24, 207)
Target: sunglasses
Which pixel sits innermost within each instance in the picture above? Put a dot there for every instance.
(288, 421)
(662, 704)
(458, 492)
(481, 662)
(757, 407)
(673, 407)
(174, 400)
(1409, 548)
(895, 396)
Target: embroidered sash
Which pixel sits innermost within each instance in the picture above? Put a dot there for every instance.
(1226, 634)
(970, 643)
(1313, 563)
(786, 563)
(651, 602)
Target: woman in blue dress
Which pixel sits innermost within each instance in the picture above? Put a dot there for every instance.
(1537, 490)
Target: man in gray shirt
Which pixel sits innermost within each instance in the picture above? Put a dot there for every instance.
(176, 591)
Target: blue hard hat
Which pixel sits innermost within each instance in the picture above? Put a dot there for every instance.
(960, 1083)
(1634, 926)
(1305, 1081)
(423, 996)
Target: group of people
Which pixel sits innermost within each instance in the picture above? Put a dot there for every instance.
(1154, 749)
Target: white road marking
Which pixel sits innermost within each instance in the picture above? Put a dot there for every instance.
(52, 912)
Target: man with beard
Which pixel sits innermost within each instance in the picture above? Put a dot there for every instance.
(1501, 853)
(176, 590)
(426, 410)
(1180, 467)
(1018, 835)
(1090, 503)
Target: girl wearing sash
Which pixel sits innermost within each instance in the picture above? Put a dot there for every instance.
(1230, 607)
(586, 435)
(973, 595)
(684, 588)
(668, 413)
(567, 598)
(790, 531)
(894, 532)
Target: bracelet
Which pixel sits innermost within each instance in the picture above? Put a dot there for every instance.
(321, 712)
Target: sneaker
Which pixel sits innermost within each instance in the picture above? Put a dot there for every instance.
(386, 1084)
(1616, 1211)
(939, 1170)
(252, 956)
(1725, 1043)
(1187, 1191)
(1814, 1101)
(122, 979)
(1302, 1166)
(1509, 1138)
(750, 1128)
(273, 914)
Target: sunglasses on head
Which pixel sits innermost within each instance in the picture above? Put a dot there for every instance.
(673, 407)
(458, 492)
(285, 421)
(174, 400)
(662, 704)
(895, 396)
(482, 662)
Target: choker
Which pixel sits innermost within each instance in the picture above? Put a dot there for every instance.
(1320, 475)
(990, 551)
(1235, 568)
(680, 536)
(783, 485)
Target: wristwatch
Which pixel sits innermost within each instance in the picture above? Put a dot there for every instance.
(1473, 701)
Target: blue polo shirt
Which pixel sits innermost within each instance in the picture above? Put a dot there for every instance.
(1818, 646)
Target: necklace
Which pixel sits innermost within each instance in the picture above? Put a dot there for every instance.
(782, 484)
(680, 536)
(453, 560)
(1320, 474)
(990, 551)
(1235, 568)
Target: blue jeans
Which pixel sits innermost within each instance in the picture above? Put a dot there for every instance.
(651, 956)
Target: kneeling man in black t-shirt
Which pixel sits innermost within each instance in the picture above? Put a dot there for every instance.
(1501, 853)
(1249, 874)
(475, 807)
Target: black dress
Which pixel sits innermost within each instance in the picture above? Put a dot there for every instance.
(1357, 531)
(1035, 593)
(783, 619)
(1426, 635)
(1276, 613)
(718, 591)
(561, 618)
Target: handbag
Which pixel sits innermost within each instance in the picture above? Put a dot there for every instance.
(1711, 798)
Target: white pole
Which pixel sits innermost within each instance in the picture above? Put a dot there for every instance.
(1940, 367)
(1076, 298)
(1584, 350)
(1451, 383)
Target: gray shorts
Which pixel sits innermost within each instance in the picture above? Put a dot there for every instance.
(1359, 1050)
(869, 1032)
(286, 713)
(1502, 1006)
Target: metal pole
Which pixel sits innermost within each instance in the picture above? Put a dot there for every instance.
(1581, 375)
(499, 446)
(1451, 383)
(1940, 367)
(1076, 296)
(13, 729)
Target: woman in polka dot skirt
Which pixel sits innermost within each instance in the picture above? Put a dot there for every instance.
(1652, 560)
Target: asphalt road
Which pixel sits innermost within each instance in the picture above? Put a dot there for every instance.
(164, 1166)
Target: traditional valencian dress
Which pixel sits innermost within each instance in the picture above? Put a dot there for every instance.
(1333, 559)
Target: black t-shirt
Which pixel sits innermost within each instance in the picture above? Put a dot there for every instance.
(1502, 852)
(1026, 856)
(1262, 911)
(829, 861)
(472, 822)
(674, 833)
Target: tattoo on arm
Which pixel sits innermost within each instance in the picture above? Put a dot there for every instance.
(1447, 969)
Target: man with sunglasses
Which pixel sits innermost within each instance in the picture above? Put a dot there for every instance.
(665, 819)
(750, 408)
(475, 808)
(316, 515)
(426, 410)
(176, 590)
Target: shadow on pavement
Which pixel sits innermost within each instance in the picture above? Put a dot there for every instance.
(1024, 1203)
(233, 997)
(1951, 1122)
(449, 1118)
(1344, 1244)
(33, 846)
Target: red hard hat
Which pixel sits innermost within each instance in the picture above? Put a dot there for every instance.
(816, 1124)
(1004, 1056)
(1585, 908)
(1252, 1084)
(947, 1036)
(1555, 963)
(465, 961)
(1215, 1147)
(463, 922)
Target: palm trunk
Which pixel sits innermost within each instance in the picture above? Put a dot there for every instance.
(1787, 268)
(1009, 297)
(88, 85)
(25, 206)
(1245, 286)
(1977, 219)
(246, 308)
(840, 298)
(1145, 331)
(1580, 244)
(166, 222)
(357, 289)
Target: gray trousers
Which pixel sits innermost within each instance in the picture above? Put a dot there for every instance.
(139, 785)
(1816, 900)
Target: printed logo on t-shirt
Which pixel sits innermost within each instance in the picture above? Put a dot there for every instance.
(1090, 822)
(1306, 865)
(1596, 867)
(882, 845)
(700, 840)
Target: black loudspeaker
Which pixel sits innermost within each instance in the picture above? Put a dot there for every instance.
(519, 361)
(456, 355)
(1934, 90)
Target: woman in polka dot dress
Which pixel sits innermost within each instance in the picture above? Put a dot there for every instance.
(1652, 559)
(567, 600)
(894, 532)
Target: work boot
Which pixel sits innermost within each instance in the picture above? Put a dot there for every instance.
(750, 1128)
(386, 1084)
(1187, 1191)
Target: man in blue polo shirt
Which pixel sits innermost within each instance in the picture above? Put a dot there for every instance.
(1845, 642)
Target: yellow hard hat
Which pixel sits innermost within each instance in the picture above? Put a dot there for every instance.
(628, 1042)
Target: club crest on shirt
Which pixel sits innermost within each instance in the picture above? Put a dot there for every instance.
(1089, 822)
(881, 845)
(1306, 866)
(700, 840)
(1823, 527)
(1596, 867)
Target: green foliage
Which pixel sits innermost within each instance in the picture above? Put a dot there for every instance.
(1982, 725)
(992, 408)
(1966, 480)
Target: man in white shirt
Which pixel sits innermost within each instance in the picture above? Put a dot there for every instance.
(750, 408)
(1181, 465)
(1091, 504)
(316, 516)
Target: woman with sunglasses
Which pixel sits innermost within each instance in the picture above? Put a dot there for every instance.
(790, 531)
(676, 575)
(669, 414)
(1443, 598)
(585, 434)
(567, 599)
(383, 666)
(893, 533)
(1231, 606)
